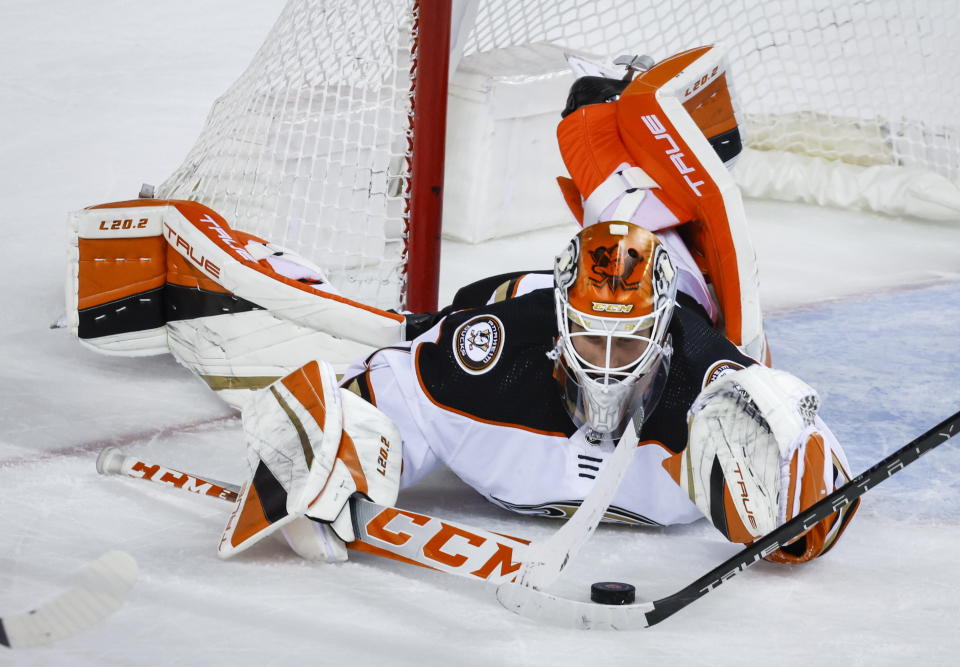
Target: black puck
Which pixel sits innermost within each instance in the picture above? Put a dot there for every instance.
(613, 592)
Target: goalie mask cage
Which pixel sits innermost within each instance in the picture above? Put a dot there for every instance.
(332, 141)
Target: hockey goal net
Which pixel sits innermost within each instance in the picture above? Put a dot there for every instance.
(331, 142)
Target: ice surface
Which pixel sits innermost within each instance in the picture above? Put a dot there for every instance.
(97, 97)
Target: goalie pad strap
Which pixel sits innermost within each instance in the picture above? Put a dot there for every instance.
(627, 183)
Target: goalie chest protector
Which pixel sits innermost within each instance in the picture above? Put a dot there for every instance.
(490, 364)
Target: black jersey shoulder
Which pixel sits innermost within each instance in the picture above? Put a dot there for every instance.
(474, 295)
(700, 355)
(478, 293)
(490, 364)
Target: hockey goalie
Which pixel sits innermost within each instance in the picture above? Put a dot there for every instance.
(525, 384)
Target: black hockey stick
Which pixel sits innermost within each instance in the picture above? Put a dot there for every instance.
(544, 606)
(840, 498)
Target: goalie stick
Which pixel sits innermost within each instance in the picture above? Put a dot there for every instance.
(572, 613)
(104, 585)
(489, 556)
(398, 534)
(541, 605)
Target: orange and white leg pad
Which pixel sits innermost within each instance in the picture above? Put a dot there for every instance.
(758, 454)
(647, 158)
(151, 276)
(310, 447)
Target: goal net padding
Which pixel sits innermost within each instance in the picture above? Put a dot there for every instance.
(314, 146)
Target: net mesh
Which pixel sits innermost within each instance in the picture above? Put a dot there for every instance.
(862, 81)
(310, 147)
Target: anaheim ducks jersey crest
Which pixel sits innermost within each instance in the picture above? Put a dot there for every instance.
(491, 364)
(477, 343)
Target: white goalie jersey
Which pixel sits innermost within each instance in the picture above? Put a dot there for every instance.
(476, 393)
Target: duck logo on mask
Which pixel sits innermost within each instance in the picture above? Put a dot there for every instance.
(615, 268)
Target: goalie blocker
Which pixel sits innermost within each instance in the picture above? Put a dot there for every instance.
(310, 447)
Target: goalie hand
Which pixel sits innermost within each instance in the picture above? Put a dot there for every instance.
(310, 447)
(758, 455)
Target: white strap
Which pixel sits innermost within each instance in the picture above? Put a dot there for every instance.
(638, 178)
(628, 205)
(258, 250)
(623, 178)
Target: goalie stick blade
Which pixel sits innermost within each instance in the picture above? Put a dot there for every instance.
(104, 585)
(546, 607)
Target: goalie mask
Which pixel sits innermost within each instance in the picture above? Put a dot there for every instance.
(614, 288)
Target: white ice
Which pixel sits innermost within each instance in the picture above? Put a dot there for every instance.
(97, 97)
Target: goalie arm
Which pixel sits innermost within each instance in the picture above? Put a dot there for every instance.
(758, 455)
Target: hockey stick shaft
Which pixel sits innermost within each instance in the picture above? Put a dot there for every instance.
(112, 461)
(546, 559)
(391, 532)
(840, 498)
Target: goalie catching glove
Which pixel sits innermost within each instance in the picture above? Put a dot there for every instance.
(311, 445)
(758, 455)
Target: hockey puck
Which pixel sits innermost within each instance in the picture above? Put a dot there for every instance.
(612, 592)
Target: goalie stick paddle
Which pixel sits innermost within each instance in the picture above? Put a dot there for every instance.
(495, 557)
(391, 532)
(418, 539)
(572, 613)
(103, 586)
